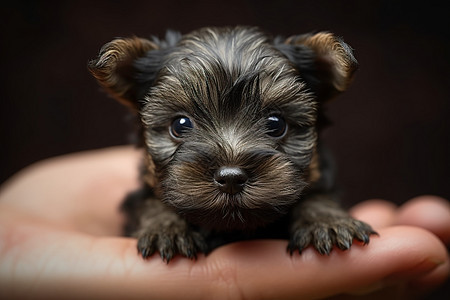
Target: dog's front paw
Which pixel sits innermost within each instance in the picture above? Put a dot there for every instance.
(325, 234)
(170, 241)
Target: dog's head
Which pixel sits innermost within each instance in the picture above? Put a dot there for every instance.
(229, 116)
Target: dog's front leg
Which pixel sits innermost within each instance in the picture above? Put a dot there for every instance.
(160, 229)
(319, 221)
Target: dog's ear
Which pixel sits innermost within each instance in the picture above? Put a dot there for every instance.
(324, 62)
(116, 68)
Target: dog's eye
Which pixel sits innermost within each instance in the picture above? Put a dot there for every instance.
(180, 126)
(276, 126)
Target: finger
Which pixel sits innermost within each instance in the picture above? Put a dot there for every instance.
(400, 253)
(57, 264)
(377, 213)
(429, 212)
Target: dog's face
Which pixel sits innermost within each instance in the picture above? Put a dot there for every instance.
(229, 116)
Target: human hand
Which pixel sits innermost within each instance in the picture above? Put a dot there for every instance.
(60, 238)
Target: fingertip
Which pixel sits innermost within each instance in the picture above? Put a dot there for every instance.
(432, 279)
(428, 212)
(376, 212)
(402, 256)
(419, 255)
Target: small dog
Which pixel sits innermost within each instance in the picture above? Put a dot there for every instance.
(230, 120)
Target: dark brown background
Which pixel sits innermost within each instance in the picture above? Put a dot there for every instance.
(391, 133)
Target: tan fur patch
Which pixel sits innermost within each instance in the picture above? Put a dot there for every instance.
(116, 56)
(314, 172)
(331, 50)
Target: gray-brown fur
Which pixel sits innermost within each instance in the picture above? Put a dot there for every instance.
(248, 165)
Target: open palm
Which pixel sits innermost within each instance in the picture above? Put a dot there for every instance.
(60, 238)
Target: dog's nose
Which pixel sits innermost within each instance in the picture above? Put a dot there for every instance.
(230, 180)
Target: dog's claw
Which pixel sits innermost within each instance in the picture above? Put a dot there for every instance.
(187, 243)
(323, 236)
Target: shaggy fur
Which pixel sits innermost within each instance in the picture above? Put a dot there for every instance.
(229, 122)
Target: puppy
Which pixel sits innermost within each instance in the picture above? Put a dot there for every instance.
(230, 120)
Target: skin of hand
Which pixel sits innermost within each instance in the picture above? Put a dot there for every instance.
(60, 238)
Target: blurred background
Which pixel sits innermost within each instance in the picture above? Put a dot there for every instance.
(391, 130)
